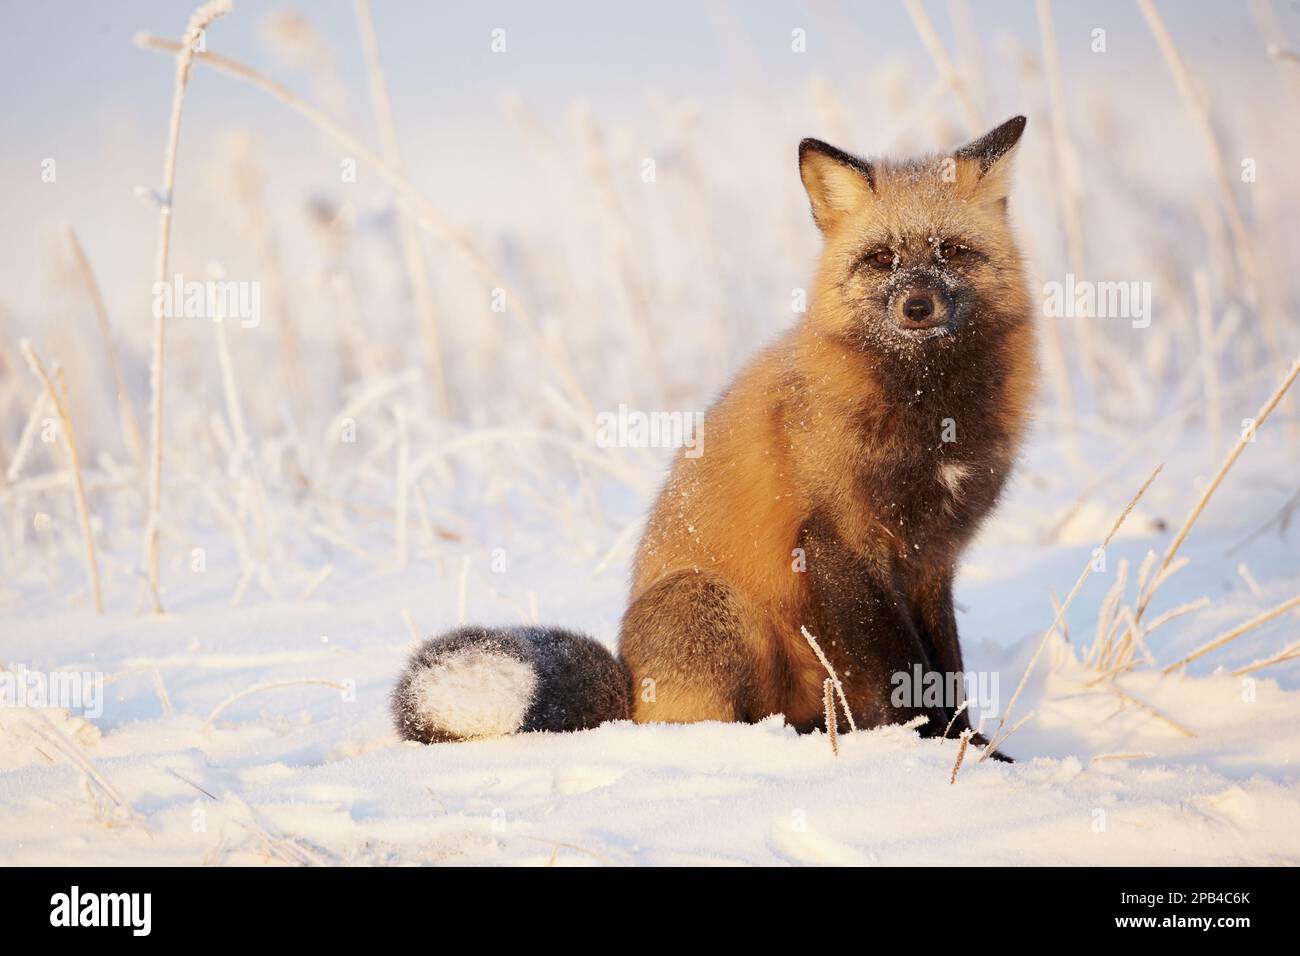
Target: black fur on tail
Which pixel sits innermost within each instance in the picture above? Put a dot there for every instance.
(477, 682)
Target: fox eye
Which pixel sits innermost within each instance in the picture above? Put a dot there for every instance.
(951, 250)
(882, 257)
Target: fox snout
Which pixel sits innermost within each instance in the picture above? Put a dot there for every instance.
(922, 309)
(923, 301)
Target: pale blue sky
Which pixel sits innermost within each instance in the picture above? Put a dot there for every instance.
(69, 66)
(77, 89)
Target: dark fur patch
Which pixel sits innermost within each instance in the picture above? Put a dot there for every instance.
(995, 144)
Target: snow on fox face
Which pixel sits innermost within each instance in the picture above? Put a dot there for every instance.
(917, 251)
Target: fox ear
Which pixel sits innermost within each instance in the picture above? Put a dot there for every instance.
(838, 183)
(990, 148)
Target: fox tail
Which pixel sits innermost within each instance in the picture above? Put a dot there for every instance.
(477, 682)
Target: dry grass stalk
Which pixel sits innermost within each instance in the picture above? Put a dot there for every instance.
(317, 579)
(1236, 632)
(186, 780)
(839, 688)
(1067, 171)
(1287, 654)
(995, 740)
(1056, 609)
(58, 397)
(1151, 711)
(560, 845)
(965, 705)
(429, 217)
(1135, 638)
(411, 629)
(417, 271)
(1209, 368)
(1098, 758)
(1199, 110)
(27, 439)
(403, 481)
(130, 425)
(1107, 615)
(934, 46)
(1014, 727)
(1144, 570)
(1177, 612)
(1067, 168)
(961, 755)
(45, 729)
(269, 685)
(1161, 432)
(199, 21)
(832, 719)
(1243, 572)
(462, 591)
(1168, 565)
(1119, 654)
(620, 238)
(229, 389)
(160, 688)
(1247, 435)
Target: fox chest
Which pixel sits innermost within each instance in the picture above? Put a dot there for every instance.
(931, 498)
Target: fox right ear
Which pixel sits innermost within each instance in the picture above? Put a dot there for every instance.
(989, 149)
(838, 183)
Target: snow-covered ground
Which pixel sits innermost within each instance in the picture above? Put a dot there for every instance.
(1210, 773)
(628, 227)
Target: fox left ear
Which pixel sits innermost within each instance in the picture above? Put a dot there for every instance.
(990, 148)
(838, 183)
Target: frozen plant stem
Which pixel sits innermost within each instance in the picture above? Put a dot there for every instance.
(934, 46)
(839, 688)
(408, 231)
(1067, 171)
(1235, 633)
(1199, 110)
(429, 218)
(270, 685)
(1246, 437)
(199, 21)
(403, 482)
(995, 740)
(828, 707)
(130, 426)
(1288, 653)
(1209, 370)
(961, 755)
(58, 397)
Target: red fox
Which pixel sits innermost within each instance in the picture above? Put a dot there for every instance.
(849, 465)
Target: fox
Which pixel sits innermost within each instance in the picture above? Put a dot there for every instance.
(849, 465)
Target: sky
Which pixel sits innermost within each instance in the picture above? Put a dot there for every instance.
(76, 89)
(71, 65)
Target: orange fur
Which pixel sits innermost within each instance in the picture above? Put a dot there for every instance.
(813, 429)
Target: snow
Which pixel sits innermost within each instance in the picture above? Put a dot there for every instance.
(311, 774)
(472, 693)
(321, 514)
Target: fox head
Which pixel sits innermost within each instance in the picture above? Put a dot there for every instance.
(919, 255)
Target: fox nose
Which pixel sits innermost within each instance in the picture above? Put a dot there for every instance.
(918, 309)
(921, 305)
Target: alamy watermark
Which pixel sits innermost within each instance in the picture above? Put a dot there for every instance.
(82, 691)
(133, 911)
(210, 299)
(1084, 299)
(947, 689)
(629, 428)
